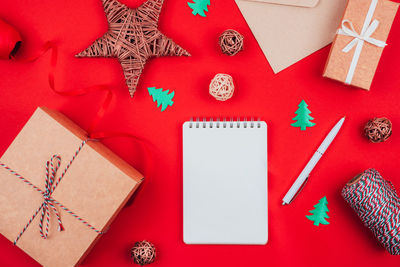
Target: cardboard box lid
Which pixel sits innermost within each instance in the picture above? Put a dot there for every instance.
(95, 187)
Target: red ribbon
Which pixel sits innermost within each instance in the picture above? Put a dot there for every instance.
(83, 91)
(75, 92)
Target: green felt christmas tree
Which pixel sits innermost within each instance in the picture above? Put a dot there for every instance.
(319, 213)
(163, 98)
(199, 6)
(303, 119)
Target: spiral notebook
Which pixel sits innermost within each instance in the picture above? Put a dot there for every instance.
(225, 182)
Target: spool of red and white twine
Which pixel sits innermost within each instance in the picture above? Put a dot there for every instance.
(377, 204)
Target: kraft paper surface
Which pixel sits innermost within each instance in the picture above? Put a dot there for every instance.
(96, 187)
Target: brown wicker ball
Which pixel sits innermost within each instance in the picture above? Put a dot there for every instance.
(222, 87)
(231, 42)
(143, 252)
(378, 129)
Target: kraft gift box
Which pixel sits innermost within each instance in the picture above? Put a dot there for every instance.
(360, 41)
(95, 185)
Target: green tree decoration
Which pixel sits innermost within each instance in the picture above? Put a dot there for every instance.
(303, 119)
(199, 6)
(163, 98)
(319, 213)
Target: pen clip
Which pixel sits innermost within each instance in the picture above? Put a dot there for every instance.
(298, 191)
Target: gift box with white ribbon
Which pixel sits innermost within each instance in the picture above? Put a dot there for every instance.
(359, 42)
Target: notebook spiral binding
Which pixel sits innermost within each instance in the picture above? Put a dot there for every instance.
(224, 123)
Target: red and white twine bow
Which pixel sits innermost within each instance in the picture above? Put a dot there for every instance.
(50, 203)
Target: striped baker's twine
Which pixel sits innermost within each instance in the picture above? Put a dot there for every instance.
(377, 204)
(48, 202)
(51, 171)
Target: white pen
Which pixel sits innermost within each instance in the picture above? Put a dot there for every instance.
(311, 164)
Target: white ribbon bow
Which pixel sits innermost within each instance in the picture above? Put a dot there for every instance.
(360, 38)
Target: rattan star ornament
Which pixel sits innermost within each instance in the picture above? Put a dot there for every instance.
(133, 38)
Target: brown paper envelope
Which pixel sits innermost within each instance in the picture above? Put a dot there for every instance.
(95, 187)
(288, 33)
(299, 3)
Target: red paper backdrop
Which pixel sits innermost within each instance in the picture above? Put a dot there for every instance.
(156, 213)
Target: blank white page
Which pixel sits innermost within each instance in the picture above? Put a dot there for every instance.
(225, 183)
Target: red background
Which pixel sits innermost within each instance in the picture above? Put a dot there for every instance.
(156, 213)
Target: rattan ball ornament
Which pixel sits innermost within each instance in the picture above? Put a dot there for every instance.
(378, 129)
(143, 252)
(222, 87)
(231, 42)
